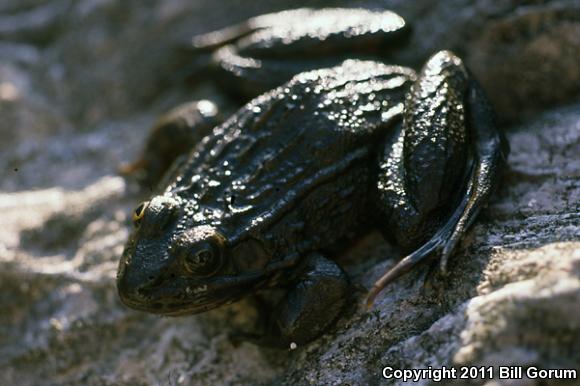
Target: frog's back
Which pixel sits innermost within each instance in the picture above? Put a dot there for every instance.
(311, 135)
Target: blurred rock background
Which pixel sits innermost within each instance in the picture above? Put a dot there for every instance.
(80, 83)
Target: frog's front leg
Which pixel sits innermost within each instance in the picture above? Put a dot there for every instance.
(314, 300)
(171, 137)
(440, 167)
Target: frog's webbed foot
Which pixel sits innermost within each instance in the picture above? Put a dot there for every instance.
(440, 167)
(172, 136)
(314, 301)
(441, 245)
(213, 40)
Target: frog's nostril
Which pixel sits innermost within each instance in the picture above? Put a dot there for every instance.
(134, 288)
(149, 284)
(130, 293)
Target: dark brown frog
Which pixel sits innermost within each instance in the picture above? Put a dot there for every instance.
(323, 158)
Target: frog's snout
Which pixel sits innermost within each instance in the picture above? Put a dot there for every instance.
(143, 289)
(129, 289)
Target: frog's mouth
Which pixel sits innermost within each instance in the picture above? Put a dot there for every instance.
(183, 296)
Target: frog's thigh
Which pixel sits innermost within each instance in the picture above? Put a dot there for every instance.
(422, 167)
(314, 301)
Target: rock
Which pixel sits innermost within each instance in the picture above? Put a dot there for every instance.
(77, 90)
(523, 52)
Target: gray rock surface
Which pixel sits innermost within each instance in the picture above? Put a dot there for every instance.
(80, 81)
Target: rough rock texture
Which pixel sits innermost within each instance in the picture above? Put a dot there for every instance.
(80, 81)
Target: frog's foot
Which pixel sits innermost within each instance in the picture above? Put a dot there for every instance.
(172, 136)
(448, 144)
(312, 304)
(440, 245)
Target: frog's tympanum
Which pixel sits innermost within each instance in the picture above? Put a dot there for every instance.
(328, 155)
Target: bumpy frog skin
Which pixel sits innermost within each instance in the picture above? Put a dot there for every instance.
(323, 158)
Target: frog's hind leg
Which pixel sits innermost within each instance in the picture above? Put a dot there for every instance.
(440, 167)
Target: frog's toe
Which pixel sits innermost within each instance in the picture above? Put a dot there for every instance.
(427, 251)
(446, 252)
(441, 245)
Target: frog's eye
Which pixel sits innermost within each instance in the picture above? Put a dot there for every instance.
(205, 259)
(139, 213)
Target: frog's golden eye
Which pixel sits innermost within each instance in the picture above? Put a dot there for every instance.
(139, 213)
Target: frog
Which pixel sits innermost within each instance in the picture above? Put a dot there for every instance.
(305, 167)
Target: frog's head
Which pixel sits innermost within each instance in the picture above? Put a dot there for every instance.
(170, 269)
